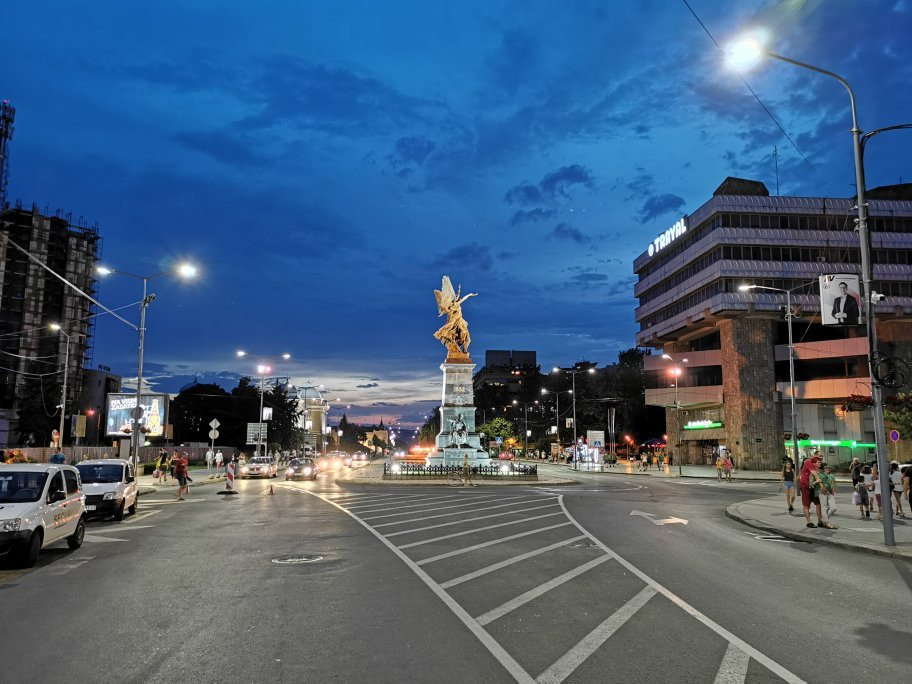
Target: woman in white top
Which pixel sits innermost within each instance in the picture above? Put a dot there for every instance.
(896, 489)
(875, 476)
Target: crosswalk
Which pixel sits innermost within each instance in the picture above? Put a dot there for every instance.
(508, 565)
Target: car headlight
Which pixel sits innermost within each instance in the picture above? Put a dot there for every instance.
(245, 469)
(289, 471)
(307, 471)
(11, 525)
(108, 496)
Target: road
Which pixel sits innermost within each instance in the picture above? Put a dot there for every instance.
(604, 581)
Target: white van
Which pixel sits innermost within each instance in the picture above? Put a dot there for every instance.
(109, 487)
(40, 504)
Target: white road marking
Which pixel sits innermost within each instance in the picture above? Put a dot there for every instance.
(466, 520)
(663, 521)
(471, 510)
(156, 502)
(498, 651)
(140, 516)
(439, 508)
(733, 669)
(508, 562)
(477, 529)
(397, 506)
(590, 643)
(524, 598)
(72, 565)
(97, 538)
(764, 660)
(475, 547)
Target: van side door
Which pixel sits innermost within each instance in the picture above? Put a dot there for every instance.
(54, 513)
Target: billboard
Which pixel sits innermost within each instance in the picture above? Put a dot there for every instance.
(840, 299)
(120, 424)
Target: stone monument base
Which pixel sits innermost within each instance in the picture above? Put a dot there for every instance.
(454, 456)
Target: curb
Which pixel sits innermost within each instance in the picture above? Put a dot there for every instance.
(152, 489)
(443, 483)
(733, 513)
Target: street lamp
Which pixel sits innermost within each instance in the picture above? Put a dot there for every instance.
(263, 369)
(573, 372)
(526, 421)
(676, 373)
(748, 52)
(182, 270)
(66, 365)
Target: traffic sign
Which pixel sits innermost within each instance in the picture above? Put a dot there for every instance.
(894, 435)
(136, 413)
(500, 440)
(213, 434)
(214, 424)
(254, 430)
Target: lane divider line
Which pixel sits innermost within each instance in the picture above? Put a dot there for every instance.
(761, 658)
(475, 547)
(434, 500)
(510, 561)
(477, 529)
(494, 648)
(472, 510)
(525, 597)
(466, 520)
(589, 644)
(442, 508)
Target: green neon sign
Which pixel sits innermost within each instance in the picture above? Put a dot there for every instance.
(703, 424)
(848, 443)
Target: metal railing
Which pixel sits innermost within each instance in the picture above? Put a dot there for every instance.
(398, 471)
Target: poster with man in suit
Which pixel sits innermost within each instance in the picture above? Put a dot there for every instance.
(839, 299)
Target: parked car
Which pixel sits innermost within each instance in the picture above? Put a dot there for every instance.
(301, 469)
(360, 456)
(40, 504)
(259, 466)
(109, 487)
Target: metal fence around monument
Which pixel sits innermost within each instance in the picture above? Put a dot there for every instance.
(403, 471)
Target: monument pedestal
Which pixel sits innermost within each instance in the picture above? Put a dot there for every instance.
(458, 437)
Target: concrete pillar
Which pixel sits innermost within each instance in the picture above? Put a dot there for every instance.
(753, 423)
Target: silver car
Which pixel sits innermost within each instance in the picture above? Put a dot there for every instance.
(259, 466)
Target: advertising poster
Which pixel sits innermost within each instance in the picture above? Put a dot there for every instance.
(840, 301)
(120, 424)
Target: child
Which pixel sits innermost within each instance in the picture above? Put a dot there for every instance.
(861, 490)
(867, 481)
(828, 485)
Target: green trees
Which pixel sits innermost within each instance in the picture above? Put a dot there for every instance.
(497, 427)
(898, 412)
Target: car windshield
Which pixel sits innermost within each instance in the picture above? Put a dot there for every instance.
(100, 472)
(21, 487)
(261, 459)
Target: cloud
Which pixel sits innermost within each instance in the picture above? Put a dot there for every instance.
(222, 146)
(537, 214)
(552, 187)
(562, 231)
(589, 277)
(469, 255)
(368, 385)
(657, 205)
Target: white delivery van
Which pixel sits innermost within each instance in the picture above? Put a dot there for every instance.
(40, 504)
(109, 487)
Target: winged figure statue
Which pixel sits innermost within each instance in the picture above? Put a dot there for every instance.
(454, 334)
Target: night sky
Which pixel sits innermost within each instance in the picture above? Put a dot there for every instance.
(325, 163)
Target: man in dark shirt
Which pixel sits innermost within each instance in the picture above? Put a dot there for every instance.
(180, 471)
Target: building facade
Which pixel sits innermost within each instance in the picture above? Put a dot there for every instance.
(31, 299)
(723, 373)
(97, 384)
(504, 367)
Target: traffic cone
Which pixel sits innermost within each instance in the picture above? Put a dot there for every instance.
(271, 493)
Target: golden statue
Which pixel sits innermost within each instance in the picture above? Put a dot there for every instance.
(454, 334)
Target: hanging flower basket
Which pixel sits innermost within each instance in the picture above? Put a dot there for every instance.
(857, 402)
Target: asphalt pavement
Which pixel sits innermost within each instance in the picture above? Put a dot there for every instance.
(615, 579)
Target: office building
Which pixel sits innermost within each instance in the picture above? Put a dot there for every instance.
(730, 346)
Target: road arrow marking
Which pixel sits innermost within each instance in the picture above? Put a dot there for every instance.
(93, 538)
(663, 521)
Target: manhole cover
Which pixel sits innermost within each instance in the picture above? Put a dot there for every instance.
(297, 560)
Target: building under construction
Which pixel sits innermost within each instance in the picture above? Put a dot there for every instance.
(31, 298)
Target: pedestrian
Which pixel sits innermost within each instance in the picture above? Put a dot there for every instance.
(896, 489)
(878, 498)
(907, 483)
(172, 463)
(855, 471)
(181, 471)
(57, 456)
(787, 478)
(163, 464)
(644, 460)
(809, 484)
(828, 488)
(866, 481)
(218, 461)
(210, 458)
(727, 467)
(860, 498)
(719, 460)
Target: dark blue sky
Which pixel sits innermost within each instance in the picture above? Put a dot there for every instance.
(326, 162)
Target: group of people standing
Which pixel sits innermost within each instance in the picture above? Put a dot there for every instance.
(178, 466)
(818, 480)
(725, 464)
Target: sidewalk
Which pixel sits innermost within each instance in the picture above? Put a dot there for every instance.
(769, 514)
(372, 474)
(149, 485)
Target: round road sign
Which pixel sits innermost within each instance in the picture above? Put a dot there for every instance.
(894, 435)
(213, 434)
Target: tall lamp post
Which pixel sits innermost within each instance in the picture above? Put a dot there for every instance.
(789, 315)
(263, 369)
(574, 372)
(745, 54)
(63, 393)
(526, 425)
(182, 270)
(676, 372)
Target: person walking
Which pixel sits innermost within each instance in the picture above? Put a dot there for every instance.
(878, 497)
(172, 463)
(727, 467)
(866, 480)
(896, 489)
(906, 474)
(163, 464)
(809, 484)
(828, 489)
(860, 498)
(787, 478)
(720, 459)
(218, 461)
(181, 470)
(855, 471)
